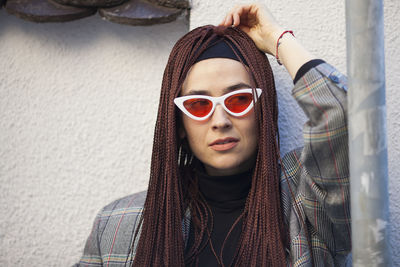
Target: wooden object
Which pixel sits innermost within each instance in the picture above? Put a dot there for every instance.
(139, 12)
(91, 3)
(171, 3)
(46, 11)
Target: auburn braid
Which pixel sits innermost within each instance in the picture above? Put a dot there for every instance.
(159, 239)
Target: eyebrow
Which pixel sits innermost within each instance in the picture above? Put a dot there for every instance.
(226, 90)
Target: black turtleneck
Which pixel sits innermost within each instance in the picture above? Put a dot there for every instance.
(226, 197)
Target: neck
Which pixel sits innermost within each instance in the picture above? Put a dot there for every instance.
(225, 191)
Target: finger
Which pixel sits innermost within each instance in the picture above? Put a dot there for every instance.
(228, 20)
(233, 16)
(243, 13)
(246, 12)
(236, 20)
(222, 23)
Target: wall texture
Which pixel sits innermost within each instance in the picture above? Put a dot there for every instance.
(78, 103)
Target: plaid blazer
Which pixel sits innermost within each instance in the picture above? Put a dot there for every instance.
(314, 187)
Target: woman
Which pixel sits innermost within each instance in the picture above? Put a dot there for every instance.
(219, 192)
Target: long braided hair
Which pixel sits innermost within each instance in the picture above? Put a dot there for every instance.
(159, 240)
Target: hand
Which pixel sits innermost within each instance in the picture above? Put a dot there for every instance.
(258, 23)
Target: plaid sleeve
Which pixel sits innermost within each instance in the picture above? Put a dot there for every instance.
(91, 253)
(319, 172)
(110, 241)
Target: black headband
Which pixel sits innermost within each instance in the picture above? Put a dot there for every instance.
(219, 48)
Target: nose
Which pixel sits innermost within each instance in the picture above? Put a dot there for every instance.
(220, 119)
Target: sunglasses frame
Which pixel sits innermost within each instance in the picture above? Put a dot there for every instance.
(215, 101)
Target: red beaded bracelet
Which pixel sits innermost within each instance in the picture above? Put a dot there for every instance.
(277, 45)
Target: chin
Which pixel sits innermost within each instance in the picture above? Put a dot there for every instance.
(226, 167)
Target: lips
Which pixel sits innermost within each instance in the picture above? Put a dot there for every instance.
(224, 144)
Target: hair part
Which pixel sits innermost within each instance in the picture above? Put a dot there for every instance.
(173, 187)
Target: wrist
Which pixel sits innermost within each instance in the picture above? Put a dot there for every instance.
(274, 39)
(279, 41)
(292, 54)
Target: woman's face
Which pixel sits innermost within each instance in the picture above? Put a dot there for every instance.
(225, 144)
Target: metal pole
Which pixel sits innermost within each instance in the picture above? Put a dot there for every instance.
(367, 133)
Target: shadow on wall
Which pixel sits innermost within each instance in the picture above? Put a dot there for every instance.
(67, 33)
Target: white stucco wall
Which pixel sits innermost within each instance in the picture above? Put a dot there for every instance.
(78, 103)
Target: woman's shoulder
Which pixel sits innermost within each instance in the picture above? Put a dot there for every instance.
(117, 226)
(113, 232)
(289, 169)
(290, 159)
(128, 208)
(127, 202)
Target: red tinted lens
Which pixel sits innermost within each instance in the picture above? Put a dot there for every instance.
(198, 107)
(239, 102)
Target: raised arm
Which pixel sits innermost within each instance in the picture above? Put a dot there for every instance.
(261, 26)
(315, 182)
